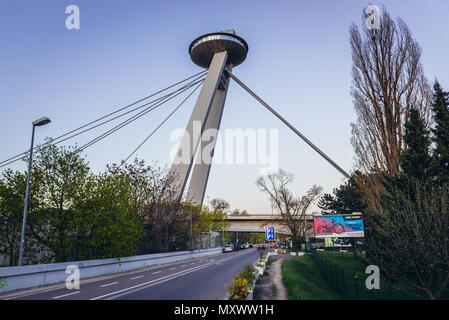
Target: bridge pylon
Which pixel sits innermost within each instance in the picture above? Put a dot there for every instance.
(215, 52)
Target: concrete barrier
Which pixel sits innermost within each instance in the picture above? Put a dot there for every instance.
(16, 278)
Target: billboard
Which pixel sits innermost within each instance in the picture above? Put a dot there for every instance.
(338, 226)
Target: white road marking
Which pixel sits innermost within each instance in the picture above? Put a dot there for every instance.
(141, 286)
(44, 290)
(68, 294)
(136, 277)
(182, 266)
(172, 269)
(108, 284)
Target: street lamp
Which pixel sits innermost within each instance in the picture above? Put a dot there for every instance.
(39, 122)
(191, 237)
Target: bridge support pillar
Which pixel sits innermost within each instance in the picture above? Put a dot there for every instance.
(201, 170)
(206, 114)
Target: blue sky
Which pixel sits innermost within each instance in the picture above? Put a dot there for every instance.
(299, 61)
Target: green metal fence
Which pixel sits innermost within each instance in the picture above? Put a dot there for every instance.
(351, 285)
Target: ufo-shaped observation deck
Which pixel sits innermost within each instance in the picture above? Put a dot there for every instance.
(203, 48)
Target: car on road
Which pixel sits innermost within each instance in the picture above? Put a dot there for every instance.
(227, 248)
(261, 246)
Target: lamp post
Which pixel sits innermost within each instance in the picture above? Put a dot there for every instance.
(191, 236)
(39, 122)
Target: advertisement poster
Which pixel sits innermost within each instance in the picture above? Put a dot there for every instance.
(338, 226)
(337, 242)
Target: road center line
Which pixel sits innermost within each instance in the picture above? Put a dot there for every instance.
(108, 284)
(68, 294)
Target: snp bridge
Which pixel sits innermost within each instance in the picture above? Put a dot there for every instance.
(219, 53)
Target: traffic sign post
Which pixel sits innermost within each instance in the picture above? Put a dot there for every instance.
(269, 233)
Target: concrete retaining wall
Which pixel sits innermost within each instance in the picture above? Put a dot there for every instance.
(15, 278)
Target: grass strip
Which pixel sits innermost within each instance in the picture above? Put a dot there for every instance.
(304, 282)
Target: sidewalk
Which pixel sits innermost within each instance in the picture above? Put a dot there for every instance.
(271, 287)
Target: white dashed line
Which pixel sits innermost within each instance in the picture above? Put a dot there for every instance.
(136, 277)
(182, 266)
(108, 284)
(172, 269)
(155, 272)
(65, 295)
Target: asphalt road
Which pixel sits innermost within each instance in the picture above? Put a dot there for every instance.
(206, 278)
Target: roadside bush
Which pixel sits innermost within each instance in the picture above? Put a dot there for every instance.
(243, 283)
(239, 289)
(248, 274)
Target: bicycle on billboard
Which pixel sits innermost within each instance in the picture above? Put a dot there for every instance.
(331, 227)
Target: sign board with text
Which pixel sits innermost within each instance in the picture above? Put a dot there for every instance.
(339, 226)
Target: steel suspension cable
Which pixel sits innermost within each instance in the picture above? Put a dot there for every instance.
(131, 119)
(151, 106)
(154, 104)
(160, 125)
(22, 154)
(288, 124)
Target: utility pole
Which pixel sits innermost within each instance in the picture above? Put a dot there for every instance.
(191, 228)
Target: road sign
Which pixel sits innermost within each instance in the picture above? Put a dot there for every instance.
(269, 233)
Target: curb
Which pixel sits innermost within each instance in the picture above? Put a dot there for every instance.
(259, 271)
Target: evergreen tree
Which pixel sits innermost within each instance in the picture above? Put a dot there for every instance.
(415, 159)
(441, 132)
(346, 199)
